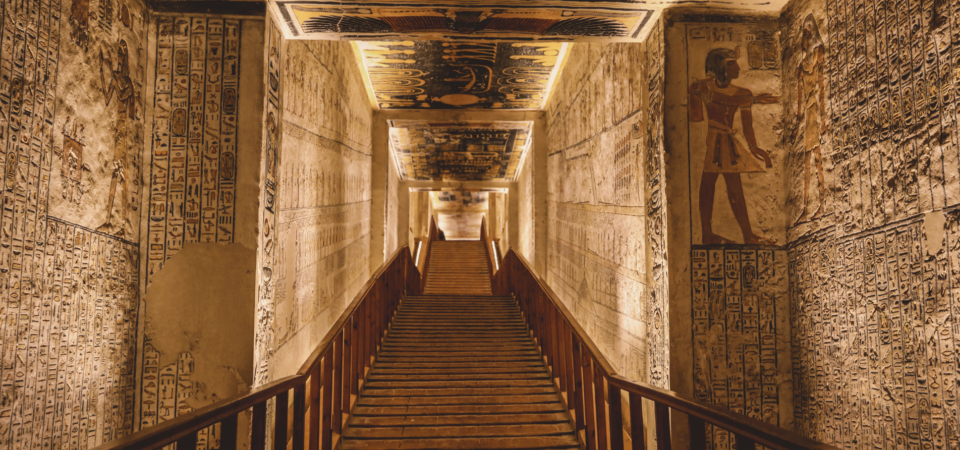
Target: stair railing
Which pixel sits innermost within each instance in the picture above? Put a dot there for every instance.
(488, 250)
(322, 388)
(593, 388)
(433, 235)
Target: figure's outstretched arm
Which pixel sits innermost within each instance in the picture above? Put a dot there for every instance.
(695, 103)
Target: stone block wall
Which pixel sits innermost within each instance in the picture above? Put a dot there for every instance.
(315, 204)
(604, 178)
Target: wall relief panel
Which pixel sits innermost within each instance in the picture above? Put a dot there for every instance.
(315, 211)
(194, 148)
(604, 174)
(68, 254)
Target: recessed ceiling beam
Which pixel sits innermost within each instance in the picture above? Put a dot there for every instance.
(456, 185)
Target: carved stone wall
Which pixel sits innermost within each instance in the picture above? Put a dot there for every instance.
(602, 169)
(193, 176)
(71, 129)
(874, 180)
(316, 214)
(525, 182)
(200, 215)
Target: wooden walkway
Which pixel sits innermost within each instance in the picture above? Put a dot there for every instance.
(459, 372)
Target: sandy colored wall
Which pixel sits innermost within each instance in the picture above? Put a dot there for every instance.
(525, 184)
(874, 274)
(205, 100)
(390, 222)
(599, 256)
(315, 234)
(71, 120)
(728, 267)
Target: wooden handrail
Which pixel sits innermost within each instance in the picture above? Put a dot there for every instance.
(433, 234)
(485, 239)
(336, 369)
(593, 387)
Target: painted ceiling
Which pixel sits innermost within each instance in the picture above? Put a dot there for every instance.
(464, 20)
(459, 151)
(461, 75)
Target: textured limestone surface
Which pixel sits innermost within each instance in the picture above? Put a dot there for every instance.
(315, 216)
(71, 128)
(875, 253)
(603, 161)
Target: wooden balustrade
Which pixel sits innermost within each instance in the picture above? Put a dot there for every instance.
(487, 248)
(594, 391)
(321, 389)
(433, 234)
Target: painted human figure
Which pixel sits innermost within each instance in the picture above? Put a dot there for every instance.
(810, 110)
(122, 85)
(724, 153)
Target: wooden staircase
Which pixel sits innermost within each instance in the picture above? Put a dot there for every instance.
(458, 268)
(459, 372)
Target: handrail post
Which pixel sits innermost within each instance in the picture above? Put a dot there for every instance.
(315, 408)
(637, 434)
(662, 415)
(281, 421)
(599, 393)
(228, 433)
(299, 392)
(258, 428)
(338, 384)
(616, 417)
(588, 403)
(327, 380)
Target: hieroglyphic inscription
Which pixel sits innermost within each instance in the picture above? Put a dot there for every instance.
(74, 347)
(874, 330)
(194, 166)
(656, 213)
(889, 136)
(735, 331)
(166, 391)
(69, 294)
(266, 241)
(605, 185)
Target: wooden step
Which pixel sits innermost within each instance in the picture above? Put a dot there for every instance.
(459, 373)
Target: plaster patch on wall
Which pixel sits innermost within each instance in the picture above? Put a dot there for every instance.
(193, 172)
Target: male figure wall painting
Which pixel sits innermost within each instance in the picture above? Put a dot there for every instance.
(723, 152)
(810, 111)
